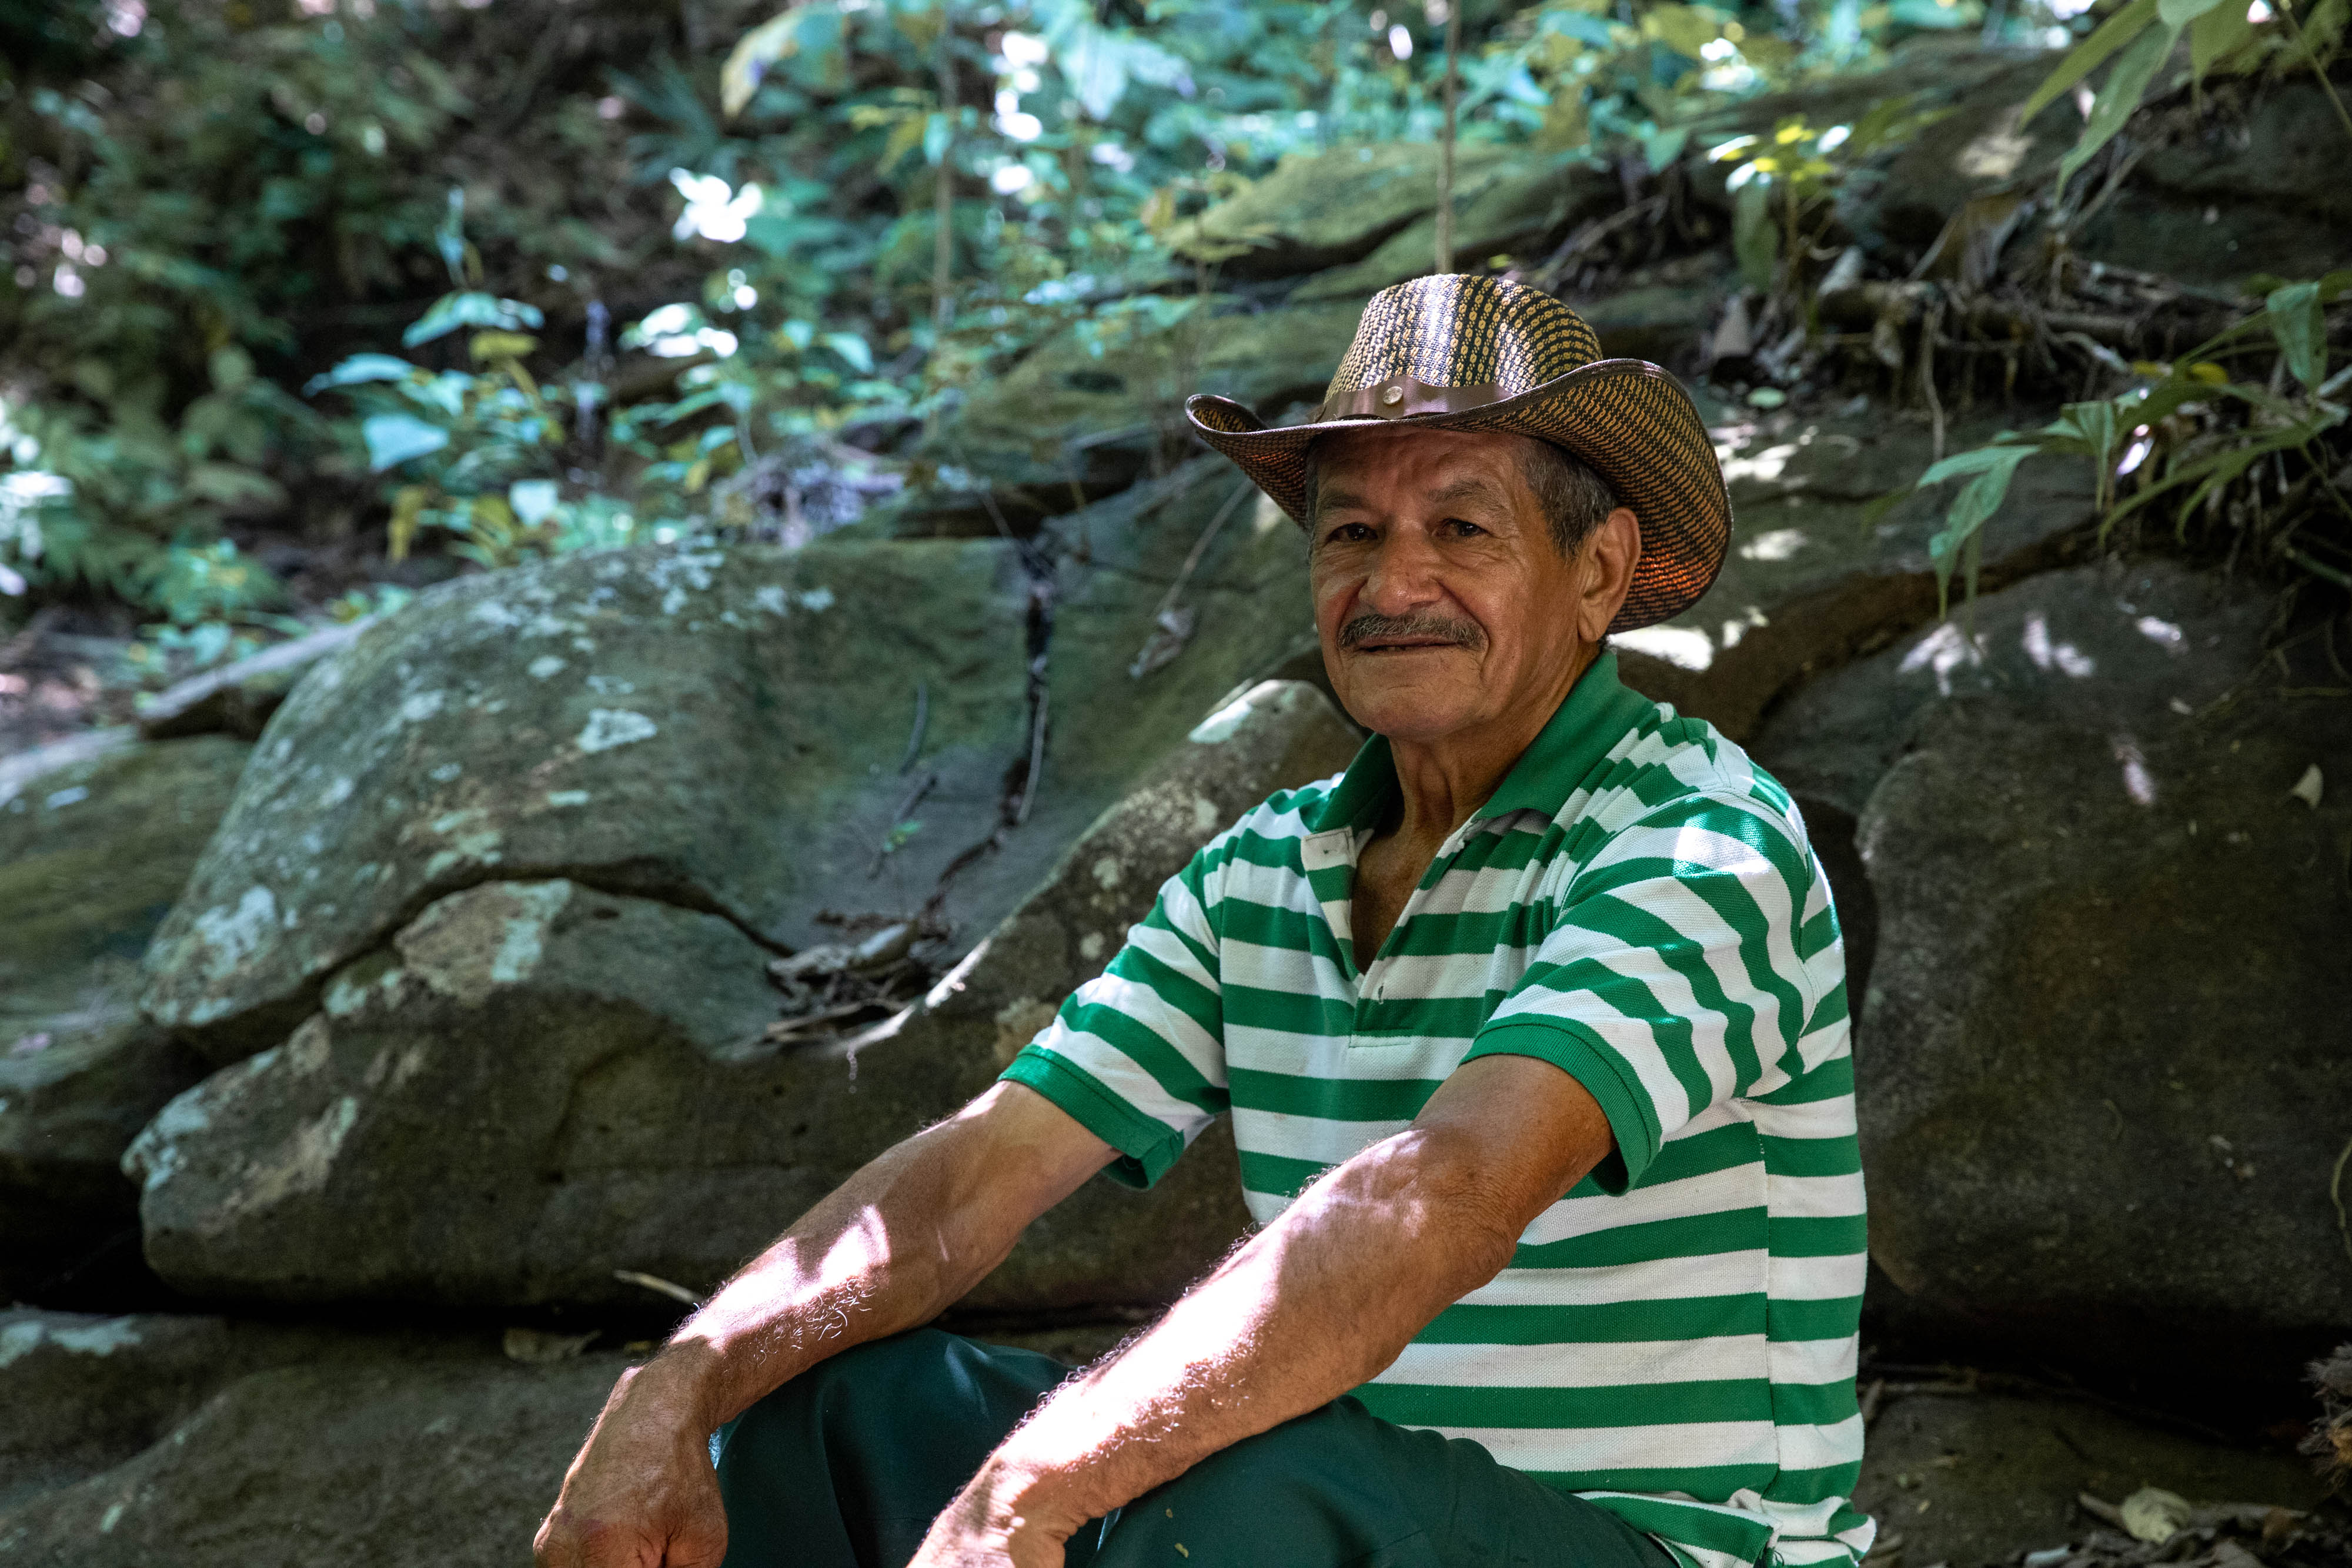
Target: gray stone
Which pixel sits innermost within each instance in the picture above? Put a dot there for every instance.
(2259, 188)
(388, 1453)
(1810, 581)
(1318, 210)
(465, 1062)
(720, 730)
(1974, 1478)
(1519, 207)
(2102, 1077)
(579, 1080)
(1090, 414)
(80, 1394)
(2115, 648)
(91, 856)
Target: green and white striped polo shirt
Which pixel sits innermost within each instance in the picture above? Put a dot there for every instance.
(1675, 1339)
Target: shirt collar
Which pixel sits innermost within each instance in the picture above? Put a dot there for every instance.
(1597, 713)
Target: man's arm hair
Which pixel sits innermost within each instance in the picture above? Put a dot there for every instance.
(894, 1246)
(1317, 1303)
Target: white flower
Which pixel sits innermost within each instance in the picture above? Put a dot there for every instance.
(712, 211)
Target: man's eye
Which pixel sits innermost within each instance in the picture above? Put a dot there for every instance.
(1460, 528)
(1347, 533)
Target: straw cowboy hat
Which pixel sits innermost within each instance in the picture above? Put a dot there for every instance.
(1460, 352)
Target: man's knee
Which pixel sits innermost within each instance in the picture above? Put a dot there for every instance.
(1333, 1486)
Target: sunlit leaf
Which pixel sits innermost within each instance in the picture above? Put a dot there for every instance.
(1972, 507)
(2302, 332)
(359, 368)
(470, 309)
(2089, 55)
(806, 27)
(853, 349)
(2120, 96)
(394, 438)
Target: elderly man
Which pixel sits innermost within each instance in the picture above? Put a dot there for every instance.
(1533, 1028)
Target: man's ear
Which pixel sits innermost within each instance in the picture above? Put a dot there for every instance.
(1611, 554)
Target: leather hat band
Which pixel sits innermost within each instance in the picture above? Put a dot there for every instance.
(1398, 396)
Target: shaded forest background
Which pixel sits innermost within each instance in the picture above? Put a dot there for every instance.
(307, 303)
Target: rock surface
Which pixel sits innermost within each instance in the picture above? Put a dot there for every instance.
(1324, 209)
(1810, 581)
(1091, 414)
(91, 856)
(1973, 1479)
(578, 1079)
(80, 1393)
(723, 732)
(2102, 1073)
(2113, 647)
(387, 1453)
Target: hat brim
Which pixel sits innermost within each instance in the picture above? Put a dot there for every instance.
(1630, 420)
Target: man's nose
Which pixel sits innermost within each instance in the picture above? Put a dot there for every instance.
(1404, 574)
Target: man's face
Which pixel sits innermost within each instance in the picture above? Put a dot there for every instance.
(1441, 602)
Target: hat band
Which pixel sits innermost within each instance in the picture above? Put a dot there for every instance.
(1398, 396)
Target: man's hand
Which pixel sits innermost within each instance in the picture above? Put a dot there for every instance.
(911, 1232)
(641, 1493)
(988, 1527)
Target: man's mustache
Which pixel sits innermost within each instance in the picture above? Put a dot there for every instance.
(1423, 627)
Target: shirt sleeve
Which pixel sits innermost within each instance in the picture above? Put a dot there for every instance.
(1670, 979)
(1138, 1056)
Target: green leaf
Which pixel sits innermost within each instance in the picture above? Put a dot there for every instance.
(1976, 460)
(230, 486)
(2178, 14)
(2215, 35)
(1978, 500)
(1755, 237)
(2089, 55)
(452, 312)
(394, 438)
(2302, 332)
(853, 349)
(533, 500)
(2125, 84)
(359, 368)
(231, 368)
(749, 60)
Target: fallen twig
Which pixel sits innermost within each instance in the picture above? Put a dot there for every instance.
(655, 1283)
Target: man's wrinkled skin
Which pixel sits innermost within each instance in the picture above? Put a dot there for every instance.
(1450, 623)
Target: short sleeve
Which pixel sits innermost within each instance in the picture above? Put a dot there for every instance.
(1669, 981)
(1137, 1055)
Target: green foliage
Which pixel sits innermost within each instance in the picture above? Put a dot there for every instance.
(2195, 443)
(208, 203)
(2141, 36)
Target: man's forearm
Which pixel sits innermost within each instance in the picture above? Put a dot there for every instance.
(889, 1249)
(1312, 1307)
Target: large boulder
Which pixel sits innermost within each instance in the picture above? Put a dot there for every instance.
(1812, 579)
(2103, 1083)
(1318, 210)
(1090, 408)
(281, 1453)
(738, 733)
(91, 856)
(583, 1082)
(2112, 647)
(1520, 206)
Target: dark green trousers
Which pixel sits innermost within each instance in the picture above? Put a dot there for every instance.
(846, 1466)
